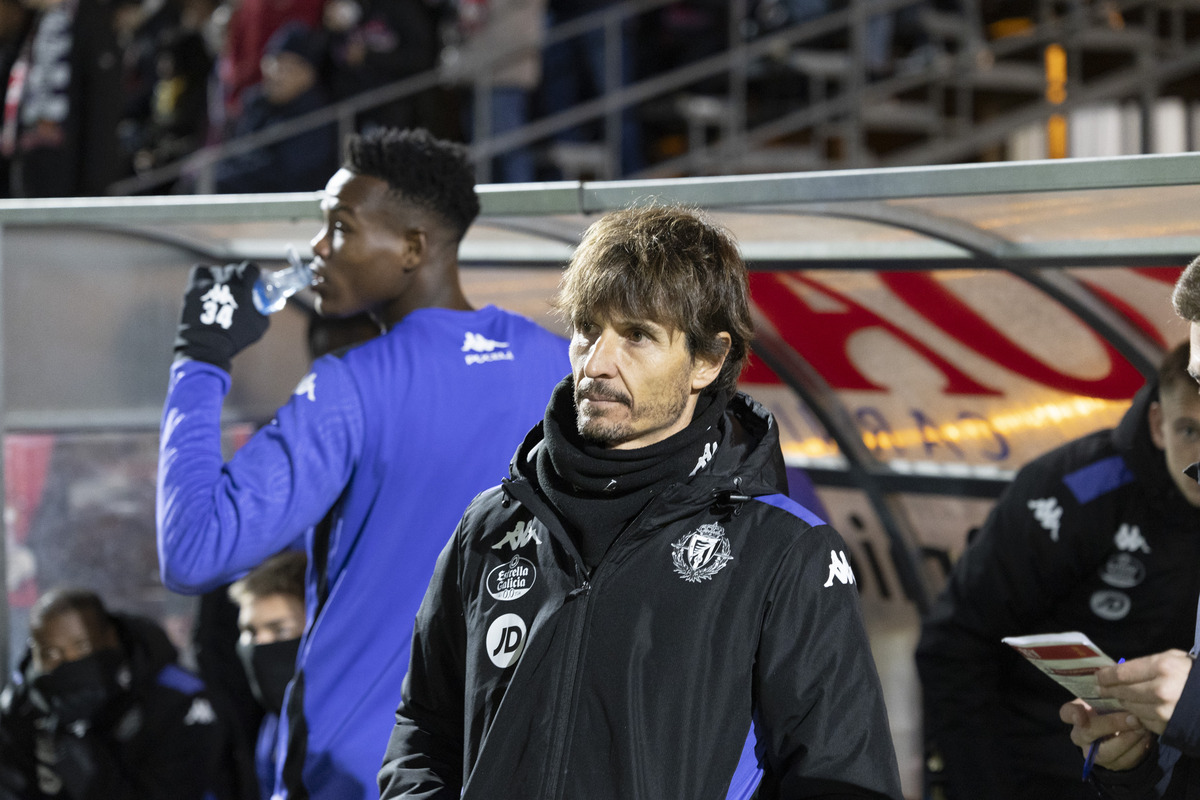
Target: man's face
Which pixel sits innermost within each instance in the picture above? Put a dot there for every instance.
(365, 257)
(1175, 428)
(272, 618)
(635, 382)
(67, 637)
(286, 76)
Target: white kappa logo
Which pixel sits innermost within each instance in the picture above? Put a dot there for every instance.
(201, 713)
(217, 306)
(702, 553)
(518, 537)
(478, 343)
(505, 640)
(710, 450)
(307, 386)
(481, 349)
(1129, 538)
(1048, 513)
(839, 567)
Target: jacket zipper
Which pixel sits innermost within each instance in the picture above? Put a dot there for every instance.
(565, 717)
(566, 713)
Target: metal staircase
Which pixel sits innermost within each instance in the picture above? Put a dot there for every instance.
(801, 96)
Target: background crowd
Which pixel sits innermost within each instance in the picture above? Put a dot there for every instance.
(99, 91)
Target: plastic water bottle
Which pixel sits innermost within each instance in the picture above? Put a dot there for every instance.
(272, 289)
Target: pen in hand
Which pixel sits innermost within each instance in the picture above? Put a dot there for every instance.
(1091, 755)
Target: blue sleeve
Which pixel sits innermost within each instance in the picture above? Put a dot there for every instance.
(217, 520)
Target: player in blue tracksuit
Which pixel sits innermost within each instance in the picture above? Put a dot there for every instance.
(396, 435)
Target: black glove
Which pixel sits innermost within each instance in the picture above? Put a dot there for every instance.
(219, 319)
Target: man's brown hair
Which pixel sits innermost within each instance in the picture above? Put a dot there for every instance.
(669, 264)
(282, 573)
(1173, 370)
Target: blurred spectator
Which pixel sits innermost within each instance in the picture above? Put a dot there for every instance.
(15, 19)
(271, 617)
(99, 708)
(195, 14)
(376, 42)
(178, 119)
(250, 27)
(140, 28)
(289, 89)
(64, 102)
(574, 70)
(500, 50)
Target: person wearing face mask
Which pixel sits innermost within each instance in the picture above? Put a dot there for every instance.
(99, 708)
(271, 616)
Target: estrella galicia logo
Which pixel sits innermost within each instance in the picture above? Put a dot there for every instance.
(511, 579)
(702, 553)
(505, 640)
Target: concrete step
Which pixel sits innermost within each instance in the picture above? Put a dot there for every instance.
(824, 64)
(902, 117)
(1008, 76)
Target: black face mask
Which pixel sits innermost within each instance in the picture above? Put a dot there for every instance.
(79, 690)
(269, 668)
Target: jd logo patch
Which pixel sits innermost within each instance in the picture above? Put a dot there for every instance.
(505, 640)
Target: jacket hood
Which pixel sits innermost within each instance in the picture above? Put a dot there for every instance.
(146, 646)
(1133, 441)
(748, 460)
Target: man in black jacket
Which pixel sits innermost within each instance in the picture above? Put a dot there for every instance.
(99, 710)
(1152, 751)
(1100, 535)
(640, 605)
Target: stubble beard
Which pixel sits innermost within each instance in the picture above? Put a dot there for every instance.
(600, 429)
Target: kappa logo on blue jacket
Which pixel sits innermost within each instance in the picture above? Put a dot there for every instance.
(307, 386)
(480, 349)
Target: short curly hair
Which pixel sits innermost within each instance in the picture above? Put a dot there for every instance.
(423, 170)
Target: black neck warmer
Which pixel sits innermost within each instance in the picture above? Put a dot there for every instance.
(597, 490)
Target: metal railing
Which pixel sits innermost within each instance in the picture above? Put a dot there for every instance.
(841, 99)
